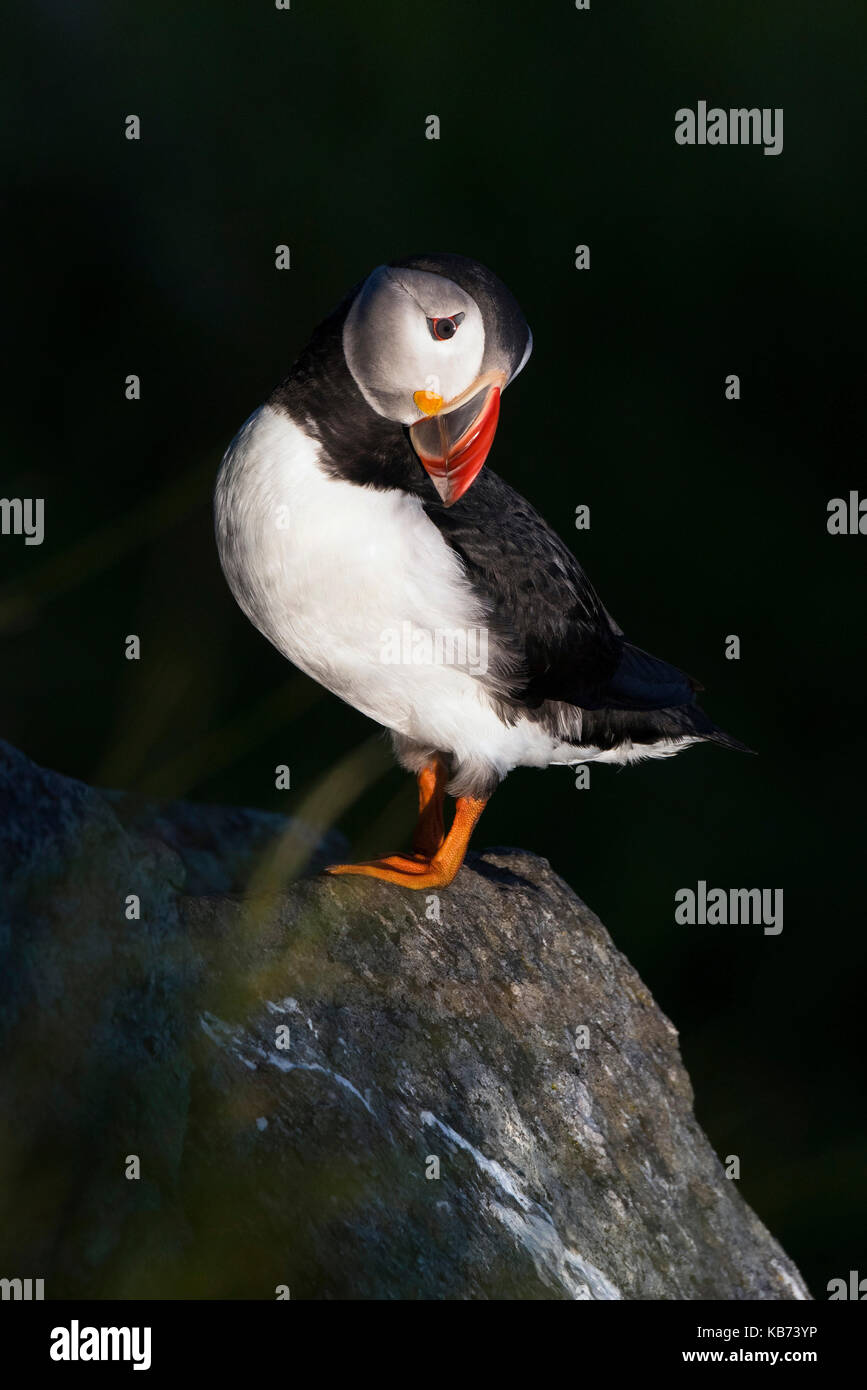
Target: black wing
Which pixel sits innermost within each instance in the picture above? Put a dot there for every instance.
(546, 613)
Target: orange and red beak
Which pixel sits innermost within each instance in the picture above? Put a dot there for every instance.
(455, 437)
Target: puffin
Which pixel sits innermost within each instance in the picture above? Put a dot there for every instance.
(362, 532)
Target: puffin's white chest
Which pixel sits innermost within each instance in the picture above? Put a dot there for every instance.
(331, 573)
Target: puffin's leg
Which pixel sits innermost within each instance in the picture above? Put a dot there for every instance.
(434, 872)
(430, 831)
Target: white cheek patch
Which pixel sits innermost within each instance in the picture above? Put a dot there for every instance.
(391, 351)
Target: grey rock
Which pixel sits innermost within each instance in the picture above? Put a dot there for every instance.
(338, 1087)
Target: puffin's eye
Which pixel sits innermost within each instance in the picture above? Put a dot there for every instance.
(443, 329)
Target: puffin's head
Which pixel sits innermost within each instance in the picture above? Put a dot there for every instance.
(431, 342)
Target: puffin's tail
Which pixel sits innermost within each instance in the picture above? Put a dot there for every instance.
(654, 696)
(701, 725)
(726, 741)
(608, 728)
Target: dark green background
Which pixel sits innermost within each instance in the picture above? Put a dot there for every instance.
(708, 517)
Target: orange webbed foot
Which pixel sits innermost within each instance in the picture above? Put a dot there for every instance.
(420, 871)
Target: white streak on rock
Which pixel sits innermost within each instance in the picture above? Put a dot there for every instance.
(533, 1228)
(798, 1290)
(237, 1042)
(284, 1064)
